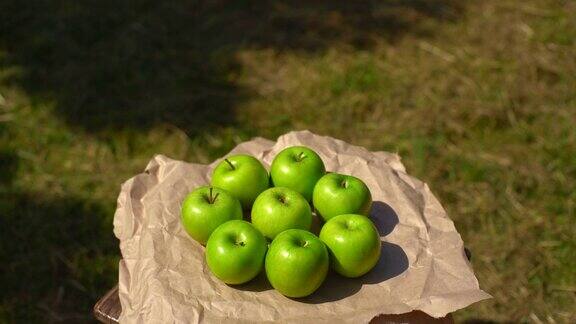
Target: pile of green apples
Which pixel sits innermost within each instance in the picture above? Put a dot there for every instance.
(280, 204)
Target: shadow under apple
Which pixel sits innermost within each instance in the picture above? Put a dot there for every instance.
(384, 217)
(393, 262)
(258, 284)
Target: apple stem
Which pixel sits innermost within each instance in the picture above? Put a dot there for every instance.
(300, 157)
(344, 184)
(212, 199)
(230, 164)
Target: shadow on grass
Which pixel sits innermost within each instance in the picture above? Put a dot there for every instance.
(110, 65)
(57, 255)
(124, 64)
(8, 167)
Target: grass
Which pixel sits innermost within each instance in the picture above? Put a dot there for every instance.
(478, 98)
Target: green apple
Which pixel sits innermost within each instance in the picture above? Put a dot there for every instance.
(278, 209)
(206, 208)
(235, 252)
(353, 242)
(297, 263)
(297, 168)
(243, 176)
(336, 194)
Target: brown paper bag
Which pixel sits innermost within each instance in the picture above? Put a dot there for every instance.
(164, 278)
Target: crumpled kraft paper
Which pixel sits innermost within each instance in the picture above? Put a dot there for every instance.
(164, 278)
